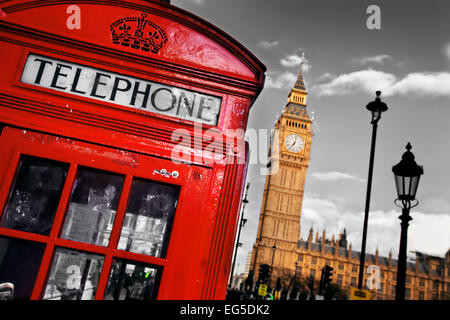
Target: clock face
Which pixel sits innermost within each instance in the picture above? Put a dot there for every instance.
(294, 143)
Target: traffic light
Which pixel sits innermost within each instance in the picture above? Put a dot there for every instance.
(264, 273)
(261, 273)
(328, 274)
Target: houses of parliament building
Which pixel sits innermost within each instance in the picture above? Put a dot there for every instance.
(277, 242)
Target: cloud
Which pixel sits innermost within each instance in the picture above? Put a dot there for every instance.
(326, 77)
(197, 2)
(368, 81)
(278, 80)
(429, 83)
(334, 176)
(293, 60)
(325, 213)
(358, 81)
(268, 45)
(378, 59)
(428, 232)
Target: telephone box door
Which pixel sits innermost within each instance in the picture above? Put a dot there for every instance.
(83, 221)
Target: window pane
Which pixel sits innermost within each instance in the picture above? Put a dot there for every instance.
(94, 200)
(149, 218)
(35, 195)
(73, 275)
(19, 265)
(132, 281)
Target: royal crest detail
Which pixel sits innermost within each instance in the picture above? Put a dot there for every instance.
(138, 33)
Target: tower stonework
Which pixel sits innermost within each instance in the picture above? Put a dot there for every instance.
(279, 222)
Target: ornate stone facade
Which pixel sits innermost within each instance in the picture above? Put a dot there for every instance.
(277, 243)
(427, 278)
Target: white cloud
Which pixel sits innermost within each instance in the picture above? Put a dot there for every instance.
(429, 83)
(378, 59)
(181, 2)
(368, 81)
(326, 77)
(278, 80)
(293, 60)
(428, 233)
(358, 81)
(267, 45)
(334, 176)
(198, 2)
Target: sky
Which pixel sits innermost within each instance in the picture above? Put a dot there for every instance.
(407, 58)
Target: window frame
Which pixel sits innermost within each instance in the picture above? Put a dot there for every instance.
(20, 142)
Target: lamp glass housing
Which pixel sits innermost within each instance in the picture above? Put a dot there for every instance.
(376, 115)
(407, 175)
(406, 187)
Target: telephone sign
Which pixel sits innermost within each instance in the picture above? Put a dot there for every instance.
(112, 87)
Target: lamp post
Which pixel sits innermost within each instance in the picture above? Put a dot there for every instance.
(274, 247)
(241, 224)
(292, 284)
(407, 175)
(376, 108)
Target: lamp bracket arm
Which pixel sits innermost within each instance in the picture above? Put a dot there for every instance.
(406, 204)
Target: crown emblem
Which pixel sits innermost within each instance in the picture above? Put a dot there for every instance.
(138, 33)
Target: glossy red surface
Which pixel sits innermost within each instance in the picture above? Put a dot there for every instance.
(81, 131)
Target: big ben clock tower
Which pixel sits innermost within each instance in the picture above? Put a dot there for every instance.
(279, 222)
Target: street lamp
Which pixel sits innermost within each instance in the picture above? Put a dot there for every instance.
(376, 107)
(407, 175)
(241, 224)
(274, 247)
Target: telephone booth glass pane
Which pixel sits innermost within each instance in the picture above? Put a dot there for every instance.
(92, 208)
(132, 281)
(73, 275)
(149, 218)
(19, 265)
(35, 195)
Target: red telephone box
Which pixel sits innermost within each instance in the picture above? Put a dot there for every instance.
(122, 156)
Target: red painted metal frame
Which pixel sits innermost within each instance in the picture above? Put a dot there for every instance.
(55, 125)
(17, 142)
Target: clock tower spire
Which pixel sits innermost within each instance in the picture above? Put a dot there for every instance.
(279, 223)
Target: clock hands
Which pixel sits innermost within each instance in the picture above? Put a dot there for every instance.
(294, 143)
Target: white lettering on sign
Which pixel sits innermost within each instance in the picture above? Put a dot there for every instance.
(119, 89)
